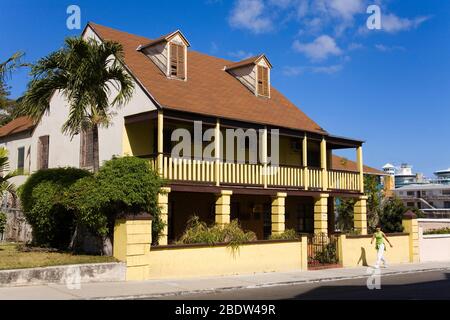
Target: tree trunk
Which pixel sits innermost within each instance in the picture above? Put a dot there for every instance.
(95, 147)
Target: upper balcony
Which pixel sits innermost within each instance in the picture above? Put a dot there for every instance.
(304, 159)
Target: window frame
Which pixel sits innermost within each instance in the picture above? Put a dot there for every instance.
(20, 169)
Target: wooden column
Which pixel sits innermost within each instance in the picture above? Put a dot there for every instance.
(323, 164)
(264, 157)
(359, 161)
(305, 162)
(160, 146)
(217, 152)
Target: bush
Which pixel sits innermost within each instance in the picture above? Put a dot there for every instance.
(438, 231)
(122, 185)
(2, 222)
(289, 234)
(199, 232)
(42, 197)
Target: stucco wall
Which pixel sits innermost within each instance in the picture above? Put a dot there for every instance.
(357, 250)
(434, 247)
(222, 260)
(429, 224)
(12, 144)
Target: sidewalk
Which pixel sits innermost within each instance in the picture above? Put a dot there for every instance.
(168, 288)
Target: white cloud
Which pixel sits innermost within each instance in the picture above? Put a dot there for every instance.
(392, 23)
(296, 71)
(320, 49)
(383, 48)
(250, 15)
(241, 54)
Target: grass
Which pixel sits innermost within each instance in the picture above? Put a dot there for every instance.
(438, 231)
(11, 257)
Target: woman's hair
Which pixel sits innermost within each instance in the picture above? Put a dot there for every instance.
(378, 226)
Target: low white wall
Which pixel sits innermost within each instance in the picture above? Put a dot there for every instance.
(434, 247)
(429, 224)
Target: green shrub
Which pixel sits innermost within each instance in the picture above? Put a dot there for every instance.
(122, 185)
(2, 222)
(289, 234)
(199, 232)
(327, 254)
(438, 231)
(391, 215)
(42, 197)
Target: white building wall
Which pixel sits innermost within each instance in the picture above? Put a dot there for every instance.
(12, 144)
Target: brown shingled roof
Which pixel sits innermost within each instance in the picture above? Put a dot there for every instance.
(246, 62)
(209, 90)
(17, 125)
(341, 163)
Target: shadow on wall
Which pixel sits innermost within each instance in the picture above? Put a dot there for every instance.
(363, 257)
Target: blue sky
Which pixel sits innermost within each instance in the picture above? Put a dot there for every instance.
(389, 87)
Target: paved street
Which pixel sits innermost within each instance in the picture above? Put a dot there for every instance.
(422, 285)
(409, 281)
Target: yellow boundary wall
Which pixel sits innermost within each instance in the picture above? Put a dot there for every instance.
(357, 250)
(221, 260)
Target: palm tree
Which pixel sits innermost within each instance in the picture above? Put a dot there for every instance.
(86, 72)
(10, 65)
(6, 175)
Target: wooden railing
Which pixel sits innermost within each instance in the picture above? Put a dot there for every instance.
(343, 180)
(191, 170)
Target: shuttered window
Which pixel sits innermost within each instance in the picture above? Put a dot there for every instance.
(21, 160)
(86, 149)
(263, 81)
(177, 61)
(43, 152)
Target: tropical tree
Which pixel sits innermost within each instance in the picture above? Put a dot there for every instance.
(5, 185)
(8, 106)
(87, 73)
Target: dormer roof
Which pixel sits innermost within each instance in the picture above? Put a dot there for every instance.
(165, 38)
(248, 61)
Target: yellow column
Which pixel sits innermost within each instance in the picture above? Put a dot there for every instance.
(223, 207)
(323, 164)
(359, 161)
(305, 162)
(321, 214)
(411, 226)
(278, 210)
(217, 152)
(132, 240)
(304, 256)
(163, 203)
(160, 145)
(360, 215)
(264, 157)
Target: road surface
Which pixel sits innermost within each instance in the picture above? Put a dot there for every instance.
(421, 285)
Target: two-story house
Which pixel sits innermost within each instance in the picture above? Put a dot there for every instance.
(176, 87)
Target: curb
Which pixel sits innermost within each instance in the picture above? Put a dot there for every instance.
(256, 286)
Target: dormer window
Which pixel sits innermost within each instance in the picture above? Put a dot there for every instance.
(169, 54)
(177, 61)
(254, 73)
(263, 81)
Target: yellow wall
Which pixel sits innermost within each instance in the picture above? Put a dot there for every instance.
(222, 260)
(357, 251)
(139, 139)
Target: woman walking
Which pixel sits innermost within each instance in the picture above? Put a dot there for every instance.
(380, 246)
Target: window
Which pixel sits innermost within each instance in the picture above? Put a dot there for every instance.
(177, 60)
(410, 193)
(446, 204)
(446, 192)
(410, 204)
(86, 149)
(263, 81)
(43, 152)
(21, 159)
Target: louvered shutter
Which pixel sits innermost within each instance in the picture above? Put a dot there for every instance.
(265, 82)
(173, 60)
(180, 61)
(43, 152)
(260, 84)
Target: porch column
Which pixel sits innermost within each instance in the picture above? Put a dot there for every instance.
(223, 211)
(305, 162)
(278, 210)
(359, 161)
(217, 152)
(411, 226)
(360, 215)
(163, 203)
(160, 146)
(264, 156)
(323, 164)
(321, 214)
